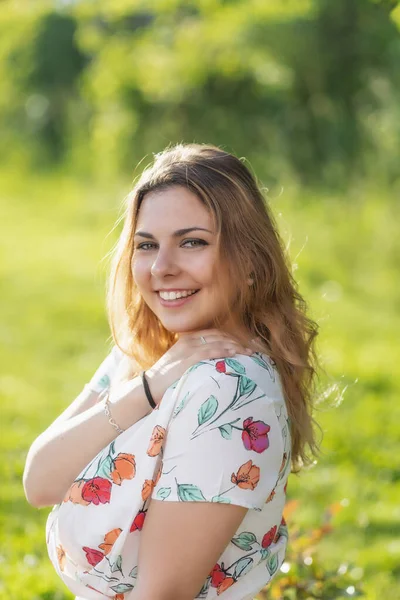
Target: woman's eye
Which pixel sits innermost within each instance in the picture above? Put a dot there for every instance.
(144, 246)
(186, 243)
(194, 243)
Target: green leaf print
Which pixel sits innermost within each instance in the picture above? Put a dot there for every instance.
(105, 468)
(189, 492)
(181, 405)
(122, 587)
(283, 531)
(235, 365)
(243, 566)
(220, 499)
(263, 363)
(117, 565)
(246, 386)
(245, 540)
(204, 590)
(226, 431)
(133, 573)
(265, 552)
(260, 361)
(272, 564)
(196, 366)
(104, 381)
(207, 410)
(163, 492)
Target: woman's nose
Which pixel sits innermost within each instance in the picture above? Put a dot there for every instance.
(164, 264)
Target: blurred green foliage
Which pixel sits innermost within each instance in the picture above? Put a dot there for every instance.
(306, 87)
(346, 253)
(308, 91)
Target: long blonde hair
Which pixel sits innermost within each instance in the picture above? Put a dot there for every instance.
(271, 309)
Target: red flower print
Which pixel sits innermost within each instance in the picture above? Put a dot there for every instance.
(97, 490)
(283, 522)
(91, 587)
(221, 366)
(93, 556)
(138, 521)
(255, 435)
(269, 537)
(247, 477)
(217, 576)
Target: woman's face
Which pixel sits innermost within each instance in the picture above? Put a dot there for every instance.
(175, 259)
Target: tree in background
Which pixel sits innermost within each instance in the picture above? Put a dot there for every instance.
(307, 87)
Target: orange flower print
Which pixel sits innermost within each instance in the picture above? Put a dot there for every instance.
(61, 557)
(247, 477)
(227, 582)
(74, 493)
(284, 459)
(149, 484)
(124, 468)
(147, 489)
(158, 473)
(156, 441)
(119, 597)
(270, 497)
(109, 540)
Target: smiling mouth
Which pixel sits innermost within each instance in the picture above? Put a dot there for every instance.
(171, 296)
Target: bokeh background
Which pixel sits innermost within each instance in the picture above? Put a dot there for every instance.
(309, 92)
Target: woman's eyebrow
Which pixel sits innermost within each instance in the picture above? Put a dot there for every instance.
(177, 233)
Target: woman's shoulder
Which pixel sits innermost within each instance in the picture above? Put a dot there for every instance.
(247, 372)
(258, 367)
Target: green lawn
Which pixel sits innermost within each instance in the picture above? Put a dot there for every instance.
(54, 334)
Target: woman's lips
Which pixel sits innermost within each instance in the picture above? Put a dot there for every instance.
(176, 303)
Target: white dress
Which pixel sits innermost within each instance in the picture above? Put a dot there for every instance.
(220, 434)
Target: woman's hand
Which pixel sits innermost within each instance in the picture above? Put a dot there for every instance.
(188, 351)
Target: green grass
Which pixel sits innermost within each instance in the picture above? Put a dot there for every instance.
(54, 333)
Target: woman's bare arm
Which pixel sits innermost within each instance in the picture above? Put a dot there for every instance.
(86, 399)
(60, 453)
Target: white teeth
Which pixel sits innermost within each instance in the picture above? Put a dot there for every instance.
(176, 295)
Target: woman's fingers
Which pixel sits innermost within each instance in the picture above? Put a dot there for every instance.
(211, 336)
(220, 349)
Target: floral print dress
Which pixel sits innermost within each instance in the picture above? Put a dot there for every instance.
(220, 434)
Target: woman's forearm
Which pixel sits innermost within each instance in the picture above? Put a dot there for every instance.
(60, 453)
(86, 399)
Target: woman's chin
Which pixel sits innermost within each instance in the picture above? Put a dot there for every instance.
(185, 328)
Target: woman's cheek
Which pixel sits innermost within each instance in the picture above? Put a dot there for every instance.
(140, 272)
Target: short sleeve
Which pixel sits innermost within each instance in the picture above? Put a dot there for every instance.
(103, 376)
(224, 442)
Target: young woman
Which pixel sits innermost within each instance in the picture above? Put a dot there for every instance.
(170, 485)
